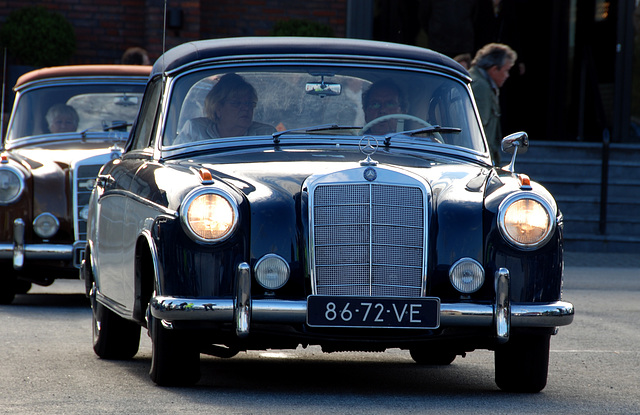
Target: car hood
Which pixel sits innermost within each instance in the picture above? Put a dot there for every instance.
(285, 176)
(63, 157)
(274, 191)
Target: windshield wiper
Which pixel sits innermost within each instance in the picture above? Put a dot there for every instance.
(423, 130)
(316, 128)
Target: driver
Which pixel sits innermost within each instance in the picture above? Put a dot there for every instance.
(62, 118)
(383, 98)
(228, 110)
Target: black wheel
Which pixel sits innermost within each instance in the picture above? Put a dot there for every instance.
(432, 357)
(113, 336)
(522, 363)
(22, 286)
(8, 289)
(175, 357)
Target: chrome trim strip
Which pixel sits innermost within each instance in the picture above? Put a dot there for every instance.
(503, 305)
(557, 313)
(18, 243)
(242, 308)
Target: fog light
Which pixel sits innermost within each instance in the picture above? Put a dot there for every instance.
(46, 225)
(272, 272)
(466, 275)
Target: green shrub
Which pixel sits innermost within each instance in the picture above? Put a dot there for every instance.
(299, 27)
(38, 37)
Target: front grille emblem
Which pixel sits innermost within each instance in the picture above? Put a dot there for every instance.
(370, 174)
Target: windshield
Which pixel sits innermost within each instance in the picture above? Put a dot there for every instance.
(75, 108)
(320, 100)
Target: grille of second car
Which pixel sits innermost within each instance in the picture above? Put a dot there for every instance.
(368, 239)
(85, 177)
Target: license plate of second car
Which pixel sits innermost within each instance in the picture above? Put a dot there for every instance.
(389, 312)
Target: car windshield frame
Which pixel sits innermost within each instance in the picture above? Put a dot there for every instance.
(96, 120)
(348, 79)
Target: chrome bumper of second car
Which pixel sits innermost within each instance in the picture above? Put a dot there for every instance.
(35, 251)
(18, 251)
(502, 315)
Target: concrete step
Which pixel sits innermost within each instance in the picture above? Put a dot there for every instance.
(602, 243)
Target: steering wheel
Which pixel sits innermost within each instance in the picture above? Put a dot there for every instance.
(437, 137)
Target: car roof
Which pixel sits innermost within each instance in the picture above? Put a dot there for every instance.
(304, 46)
(75, 71)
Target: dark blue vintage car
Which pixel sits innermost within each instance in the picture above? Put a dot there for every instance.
(278, 192)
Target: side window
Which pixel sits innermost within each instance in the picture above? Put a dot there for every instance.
(148, 113)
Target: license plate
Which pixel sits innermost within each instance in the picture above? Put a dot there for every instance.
(390, 312)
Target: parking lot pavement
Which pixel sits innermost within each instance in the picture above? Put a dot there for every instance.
(602, 260)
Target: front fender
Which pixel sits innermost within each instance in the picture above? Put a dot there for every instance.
(536, 275)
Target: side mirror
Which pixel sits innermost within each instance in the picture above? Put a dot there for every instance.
(516, 143)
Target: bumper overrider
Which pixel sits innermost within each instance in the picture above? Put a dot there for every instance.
(502, 315)
(19, 252)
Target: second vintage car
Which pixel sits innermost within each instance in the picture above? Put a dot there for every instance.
(278, 192)
(67, 121)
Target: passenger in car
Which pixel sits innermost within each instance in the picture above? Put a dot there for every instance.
(383, 98)
(62, 118)
(228, 110)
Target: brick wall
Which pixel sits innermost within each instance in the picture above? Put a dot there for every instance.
(105, 28)
(257, 17)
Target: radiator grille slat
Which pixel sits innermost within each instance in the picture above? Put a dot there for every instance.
(85, 177)
(368, 239)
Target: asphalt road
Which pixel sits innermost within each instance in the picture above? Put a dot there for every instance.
(47, 365)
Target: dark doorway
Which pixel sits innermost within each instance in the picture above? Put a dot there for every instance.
(562, 87)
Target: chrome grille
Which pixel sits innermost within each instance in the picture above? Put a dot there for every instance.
(85, 177)
(368, 239)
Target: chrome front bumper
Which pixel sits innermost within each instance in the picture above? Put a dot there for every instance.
(502, 316)
(18, 251)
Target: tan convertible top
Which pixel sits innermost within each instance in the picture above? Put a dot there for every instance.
(83, 70)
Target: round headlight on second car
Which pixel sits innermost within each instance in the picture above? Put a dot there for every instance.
(526, 220)
(209, 215)
(11, 184)
(271, 271)
(466, 275)
(46, 225)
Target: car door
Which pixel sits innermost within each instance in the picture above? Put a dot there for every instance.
(114, 180)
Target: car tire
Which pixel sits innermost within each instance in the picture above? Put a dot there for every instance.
(522, 364)
(8, 290)
(22, 286)
(431, 357)
(114, 338)
(175, 357)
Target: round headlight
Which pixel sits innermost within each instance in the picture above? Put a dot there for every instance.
(209, 215)
(46, 225)
(272, 271)
(466, 275)
(11, 184)
(526, 221)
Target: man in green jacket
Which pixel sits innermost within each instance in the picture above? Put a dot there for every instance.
(489, 70)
